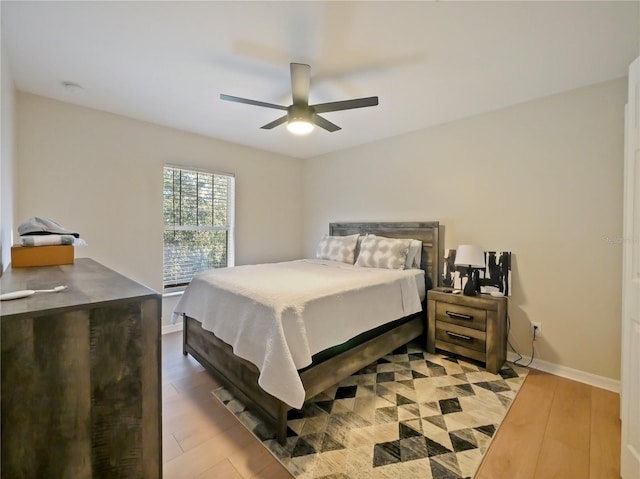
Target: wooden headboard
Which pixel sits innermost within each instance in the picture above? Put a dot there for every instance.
(427, 232)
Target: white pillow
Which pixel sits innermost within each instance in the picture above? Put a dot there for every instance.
(358, 244)
(414, 255)
(381, 252)
(337, 248)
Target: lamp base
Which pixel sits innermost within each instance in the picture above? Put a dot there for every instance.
(469, 288)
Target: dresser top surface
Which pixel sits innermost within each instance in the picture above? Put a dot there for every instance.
(88, 283)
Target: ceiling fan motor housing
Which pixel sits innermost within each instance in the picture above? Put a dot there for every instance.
(304, 113)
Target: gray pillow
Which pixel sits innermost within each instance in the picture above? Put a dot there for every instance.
(337, 248)
(381, 252)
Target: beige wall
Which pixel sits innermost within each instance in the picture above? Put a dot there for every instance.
(542, 179)
(101, 175)
(7, 161)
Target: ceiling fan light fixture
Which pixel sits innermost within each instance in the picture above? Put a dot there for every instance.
(300, 120)
(299, 127)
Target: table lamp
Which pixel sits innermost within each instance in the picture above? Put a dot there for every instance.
(471, 257)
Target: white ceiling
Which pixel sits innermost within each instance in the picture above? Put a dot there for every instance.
(429, 62)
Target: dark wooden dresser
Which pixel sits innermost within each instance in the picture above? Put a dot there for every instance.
(471, 326)
(81, 387)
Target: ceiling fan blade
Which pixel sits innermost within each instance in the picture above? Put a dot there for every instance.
(346, 104)
(326, 124)
(300, 74)
(251, 102)
(274, 123)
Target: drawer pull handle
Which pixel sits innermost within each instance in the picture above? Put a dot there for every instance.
(453, 314)
(459, 336)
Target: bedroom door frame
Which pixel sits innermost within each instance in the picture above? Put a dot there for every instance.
(630, 360)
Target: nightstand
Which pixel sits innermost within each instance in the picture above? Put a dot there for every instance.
(471, 326)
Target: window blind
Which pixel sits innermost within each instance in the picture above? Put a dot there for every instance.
(198, 223)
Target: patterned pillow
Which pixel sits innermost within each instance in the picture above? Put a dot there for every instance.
(381, 252)
(337, 248)
(414, 255)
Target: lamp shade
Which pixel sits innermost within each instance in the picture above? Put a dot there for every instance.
(470, 255)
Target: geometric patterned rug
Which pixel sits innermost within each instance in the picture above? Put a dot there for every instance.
(408, 415)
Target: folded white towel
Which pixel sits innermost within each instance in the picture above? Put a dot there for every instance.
(46, 240)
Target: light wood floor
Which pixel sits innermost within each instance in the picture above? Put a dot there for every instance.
(556, 428)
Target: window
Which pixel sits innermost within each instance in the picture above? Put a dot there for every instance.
(198, 223)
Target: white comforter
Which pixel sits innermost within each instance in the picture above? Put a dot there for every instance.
(278, 315)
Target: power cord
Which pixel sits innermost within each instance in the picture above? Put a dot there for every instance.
(509, 342)
(533, 344)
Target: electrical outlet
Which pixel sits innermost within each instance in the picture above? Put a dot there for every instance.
(538, 328)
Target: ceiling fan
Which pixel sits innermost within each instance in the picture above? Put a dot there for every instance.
(301, 116)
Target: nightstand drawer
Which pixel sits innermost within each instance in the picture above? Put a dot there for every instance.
(462, 315)
(462, 351)
(466, 337)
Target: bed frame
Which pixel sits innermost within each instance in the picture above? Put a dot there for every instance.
(241, 377)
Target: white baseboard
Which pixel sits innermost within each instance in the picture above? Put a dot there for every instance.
(172, 328)
(569, 373)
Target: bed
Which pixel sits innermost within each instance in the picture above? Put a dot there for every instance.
(327, 366)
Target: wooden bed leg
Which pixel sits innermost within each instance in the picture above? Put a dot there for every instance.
(281, 434)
